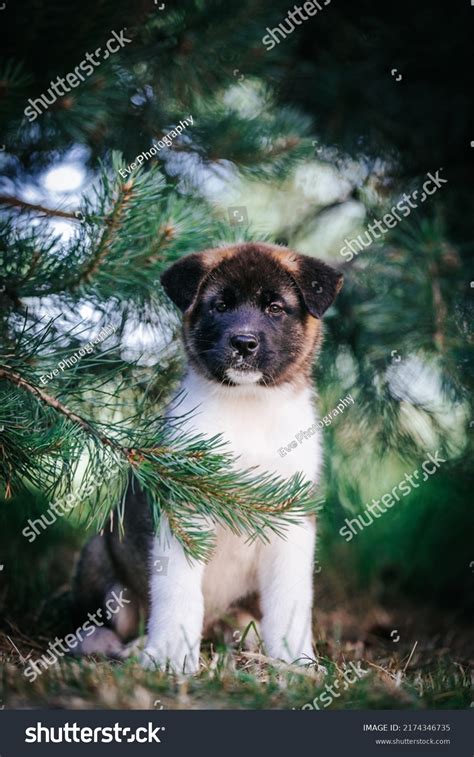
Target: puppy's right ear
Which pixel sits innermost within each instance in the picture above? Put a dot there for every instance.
(181, 281)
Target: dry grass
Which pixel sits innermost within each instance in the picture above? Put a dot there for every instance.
(428, 667)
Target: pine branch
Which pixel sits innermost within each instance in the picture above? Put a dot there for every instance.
(108, 236)
(134, 456)
(439, 307)
(187, 478)
(52, 402)
(15, 202)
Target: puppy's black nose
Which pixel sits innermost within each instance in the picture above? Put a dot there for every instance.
(245, 344)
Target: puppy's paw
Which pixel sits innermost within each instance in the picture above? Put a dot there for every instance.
(103, 642)
(304, 659)
(312, 665)
(134, 648)
(149, 659)
(154, 659)
(310, 662)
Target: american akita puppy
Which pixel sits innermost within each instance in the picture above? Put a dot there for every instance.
(251, 326)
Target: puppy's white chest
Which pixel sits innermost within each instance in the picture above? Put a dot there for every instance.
(257, 422)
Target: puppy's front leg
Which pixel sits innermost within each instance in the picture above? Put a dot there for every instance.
(177, 607)
(286, 594)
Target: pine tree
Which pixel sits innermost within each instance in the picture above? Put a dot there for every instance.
(328, 84)
(71, 409)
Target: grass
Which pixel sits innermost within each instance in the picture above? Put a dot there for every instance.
(414, 654)
(424, 665)
(233, 681)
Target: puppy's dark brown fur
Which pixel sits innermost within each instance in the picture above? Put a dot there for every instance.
(249, 277)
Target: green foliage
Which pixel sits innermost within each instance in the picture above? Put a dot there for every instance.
(107, 408)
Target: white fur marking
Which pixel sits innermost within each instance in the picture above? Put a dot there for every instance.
(243, 377)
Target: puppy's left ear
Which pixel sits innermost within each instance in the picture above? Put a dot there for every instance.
(181, 281)
(318, 284)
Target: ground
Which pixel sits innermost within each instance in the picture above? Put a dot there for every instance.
(406, 657)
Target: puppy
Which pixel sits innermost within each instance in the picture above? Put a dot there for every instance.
(251, 327)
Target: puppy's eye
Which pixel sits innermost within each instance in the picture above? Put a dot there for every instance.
(274, 309)
(221, 307)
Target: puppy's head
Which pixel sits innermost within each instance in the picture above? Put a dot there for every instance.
(251, 311)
